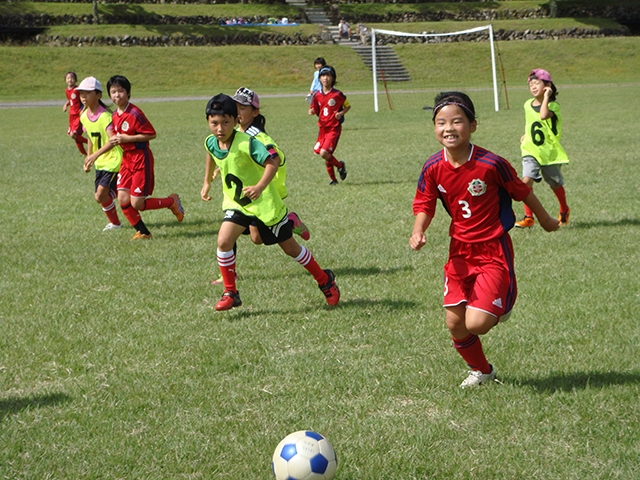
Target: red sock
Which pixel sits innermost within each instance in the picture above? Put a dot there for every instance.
(158, 203)
(528, 212)
(335, 162)
(562, 199)
(109, 208)
(80, 145)
(227, 264)
(332, 174)
(307, 261)
(470, 349)
(132, 215)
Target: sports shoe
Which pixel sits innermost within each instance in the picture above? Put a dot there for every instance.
(330, 289)
(228, 301)
(220, 280)
(333, 182)
(476, 377)
(176, 207)
(526, 222)
(563, 217)
(299, 228)
(343, 171)
(111, 226)
(141, 236)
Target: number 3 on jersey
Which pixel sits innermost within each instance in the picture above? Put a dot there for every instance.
(466, 211)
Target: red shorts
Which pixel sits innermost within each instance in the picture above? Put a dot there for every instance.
(75, 127)
(138, 181)
(481, 275)
(327, 139)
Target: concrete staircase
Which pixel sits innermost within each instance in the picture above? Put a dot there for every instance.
(387, 61)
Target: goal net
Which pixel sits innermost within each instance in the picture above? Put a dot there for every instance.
(384, 76)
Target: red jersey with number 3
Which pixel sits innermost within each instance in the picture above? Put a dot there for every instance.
(326, 105)
(132, 122)
(477, 195)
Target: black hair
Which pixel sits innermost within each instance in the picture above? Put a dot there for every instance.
(331, 71)
(221, 104)
(260, 122)
(120, 81)
(554, 90)
(454, 98)
(72, 74)
(320, 60)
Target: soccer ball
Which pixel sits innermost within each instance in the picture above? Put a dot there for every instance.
(304, 455)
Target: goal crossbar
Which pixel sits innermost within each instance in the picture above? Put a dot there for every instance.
(405, 34)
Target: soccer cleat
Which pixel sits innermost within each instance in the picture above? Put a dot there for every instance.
(476, 377)
(220, 280)
(343, 171)
(228, 301)
(330, 289)
(299, 228)
(111, 226)
(526, 222)
(176, 207)
(141, 236)
(563, 217)
(333, 182)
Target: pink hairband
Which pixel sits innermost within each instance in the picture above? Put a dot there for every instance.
(457, 104)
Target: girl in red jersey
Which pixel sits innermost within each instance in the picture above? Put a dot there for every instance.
(136, 179)
(330, 105)
(476, 187)
(74, 106)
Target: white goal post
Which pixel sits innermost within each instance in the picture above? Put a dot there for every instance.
(427, 35)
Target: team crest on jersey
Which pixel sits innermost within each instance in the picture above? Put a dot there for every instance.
(477, 187)
(125, 126)
(73, 95)
(332, 102)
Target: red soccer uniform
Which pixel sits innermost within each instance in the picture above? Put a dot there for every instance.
(477, 196)
(326, 105)
(75, 107)
(136, 172)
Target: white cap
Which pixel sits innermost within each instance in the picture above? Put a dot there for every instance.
(89, 84)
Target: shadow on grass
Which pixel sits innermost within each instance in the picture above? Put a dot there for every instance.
(567, 382)
(358, 303)
(623, 222)
(13, 405)
(366, 271)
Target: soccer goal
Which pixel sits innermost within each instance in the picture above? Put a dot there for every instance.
(379, 73)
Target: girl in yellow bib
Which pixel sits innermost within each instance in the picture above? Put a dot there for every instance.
(96, 121)
(542, 154)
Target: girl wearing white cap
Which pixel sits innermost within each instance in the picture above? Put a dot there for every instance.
(96, 121)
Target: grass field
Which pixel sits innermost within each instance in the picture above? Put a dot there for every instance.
(114, 364)
(38, 73)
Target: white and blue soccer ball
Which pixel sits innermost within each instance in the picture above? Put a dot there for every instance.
(304, 455)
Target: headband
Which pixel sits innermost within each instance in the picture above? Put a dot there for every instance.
(457, 104)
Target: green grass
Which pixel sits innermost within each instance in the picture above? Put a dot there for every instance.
(176, 10)
(114, 364)
(38, 72)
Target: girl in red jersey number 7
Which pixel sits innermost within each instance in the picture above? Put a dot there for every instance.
(476, 187)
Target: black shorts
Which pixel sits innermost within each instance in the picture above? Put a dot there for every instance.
(106, 179)
(277, 233)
